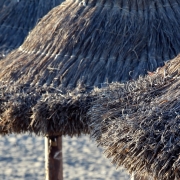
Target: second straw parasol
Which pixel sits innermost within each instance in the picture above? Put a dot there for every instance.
(138, 123)
(17, 18)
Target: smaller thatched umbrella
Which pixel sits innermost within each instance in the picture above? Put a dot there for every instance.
(17, 18)
(138, 123)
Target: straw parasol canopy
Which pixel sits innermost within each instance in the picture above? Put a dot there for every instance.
(138, 123)
(17, 18)
(75, 47)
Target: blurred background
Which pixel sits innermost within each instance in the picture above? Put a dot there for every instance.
(22, 158)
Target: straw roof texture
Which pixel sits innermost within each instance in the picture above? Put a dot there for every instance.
(4, 3)
(138, 123)
(44, 111)
(79, 45)
(17, 18)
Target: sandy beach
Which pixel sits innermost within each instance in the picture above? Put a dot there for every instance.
(22, 158)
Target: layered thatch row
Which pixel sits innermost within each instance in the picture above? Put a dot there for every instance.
(138, 123)
(17, 18)
(97, 41)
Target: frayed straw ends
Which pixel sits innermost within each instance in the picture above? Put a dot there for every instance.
(138, 123)
(62, 115)
(42, 114)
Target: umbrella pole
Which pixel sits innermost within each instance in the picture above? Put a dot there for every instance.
(53, 158)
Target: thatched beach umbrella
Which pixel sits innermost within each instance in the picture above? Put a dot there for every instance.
(17, 18)
(138, 123)
(76, 46)
(81, 45)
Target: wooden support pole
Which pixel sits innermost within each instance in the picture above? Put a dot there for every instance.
(53, 158)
